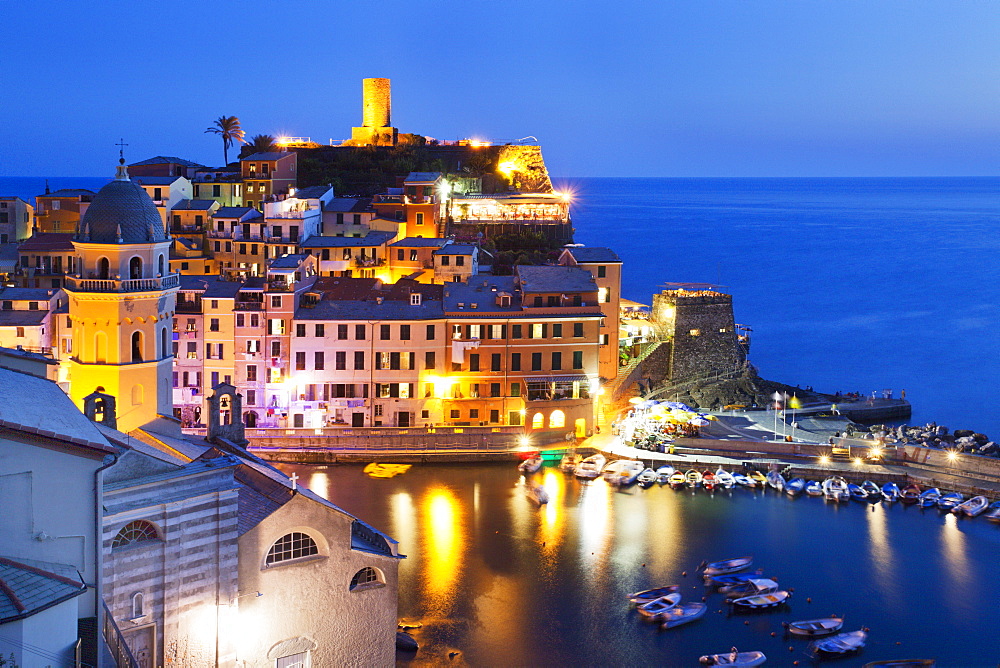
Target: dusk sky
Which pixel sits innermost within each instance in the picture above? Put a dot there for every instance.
(699, 88)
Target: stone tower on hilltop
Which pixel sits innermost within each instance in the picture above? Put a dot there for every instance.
(121, 304)
(701, 330)
(376, 111)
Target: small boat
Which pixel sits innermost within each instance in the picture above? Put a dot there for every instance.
(857, 493)
(724, 581)
(725, 478)
(949, 501)
(663, 473)
(760, 601)
(734, 658)
(890, 492)
(647, 477)
(973, 507)
(776, 480)
(708, 480)
(902, 663)
(682, 613)
(539, 494)
(591, 467)
(656, 608)
(835, 489)
(630, 472)
(795, 486)
(758, 478)
(530, 465)
(929, 497)
(743, 481)
(647, 595)
(677, 480)
(727, 566)
(993, 514)
(815, 627)
(910, 494)
(814, 488)
(842, 643)
(751, 587)
(692, 478)
(569, 462)
(874, 491)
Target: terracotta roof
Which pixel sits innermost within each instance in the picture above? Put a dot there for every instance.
(48, 241)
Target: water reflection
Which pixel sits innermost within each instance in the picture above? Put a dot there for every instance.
(880, 550)
(319, 482)
(444, 547)
(595, 527)
(553, 514)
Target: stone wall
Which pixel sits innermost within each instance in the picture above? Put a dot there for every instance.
(702, 330)
(377, 103)
(527, 168)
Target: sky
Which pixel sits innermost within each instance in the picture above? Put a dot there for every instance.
(625, 88)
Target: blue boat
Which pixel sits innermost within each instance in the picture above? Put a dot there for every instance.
(857, 494)
(873, 491)
(732, 579)
(795, 486)
(890, 492)
(814, 488)
(929, 497)
(950, 500)
(647, 595)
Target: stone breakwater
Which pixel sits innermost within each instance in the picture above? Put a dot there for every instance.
(933, 435)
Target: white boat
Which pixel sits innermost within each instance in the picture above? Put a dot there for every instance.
(682, 613)
(758, 601)
(842, 643)
(539, 494)
(647, 477)
(677, 480)
(734, 658)
(743, 481)
(724, 478)
(569, 462)
(972, 507)
(530, 465)
(727, 566)
(776, 481)
(994, 514)
(658, 607)
(814, 488)
(693, 478)
(835, 489)
(663, 473)
(815, 627)
(622, 471)
(591, 467)
(647, 595)
(751, 587)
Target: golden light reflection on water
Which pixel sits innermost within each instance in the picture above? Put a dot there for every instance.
(664, 554)
(956, 558)
(444, 547)
(596, 527)
(319, 482)
(404, 520)
(880, 550)
(553, 514)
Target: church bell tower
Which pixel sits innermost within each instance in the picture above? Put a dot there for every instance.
(121, 304)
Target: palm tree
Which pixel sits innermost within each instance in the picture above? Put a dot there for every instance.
(263, 144)
(229, 128)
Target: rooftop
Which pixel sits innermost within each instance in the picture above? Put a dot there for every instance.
(456, 249)
(48, 241)
(421, 242)
(348, 204)
(422, 177)
(194, 205)
(27, 294)
(592, 254)
(68, 192)
(30, 587)
(266, 156)
(312, 192)
(22, 318)
(548, 278)
(210, 287)
(165, 160)
(237, 212)
(373, 238)
(156, 180)
(287, 261)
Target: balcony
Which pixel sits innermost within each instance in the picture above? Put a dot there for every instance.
(75, 284)
(219, 234)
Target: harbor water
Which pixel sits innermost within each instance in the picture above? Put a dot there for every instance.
(492, 576)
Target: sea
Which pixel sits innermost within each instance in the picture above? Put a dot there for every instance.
(849, 284)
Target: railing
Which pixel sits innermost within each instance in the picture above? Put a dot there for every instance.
(369, 261)
(249, 306)
(219, 234)
(120, 651)
(188, 307)
(75, 284)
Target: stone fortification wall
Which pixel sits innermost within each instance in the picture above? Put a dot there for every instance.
(527, 168)
(377, 103)
(702, 329)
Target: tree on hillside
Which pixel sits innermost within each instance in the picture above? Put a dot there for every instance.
(262, 144)
(228, 127)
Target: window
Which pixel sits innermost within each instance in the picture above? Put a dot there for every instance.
(556, 361)
(359, 332)
(536, 361)
(251, 373)
(367, 578)
(415, 299)
(557, 420)
(445, 261)
(429, 360)
(603, 295)
(473, 413)
(494, 416)
(577, 329)
(495, 362)
(456, 414)
(319, 362)
(515, 361)
(602, 271)
(339, 359)
(420, 219)
(359, 359)
(213, 325)
(515, 331)
(300, 329)
(275, 301)
(577, 359)
(537, 421)
(404, 332)
(459, 261)
(537, 331)
(515, 389)
(413, 255)
(275, 348)
(137, 611)
(320, 331)
(557, 330)
(297, 660)
(139, 531)
(384, 332)
(294, 545)
(300, 361)
(494, 390)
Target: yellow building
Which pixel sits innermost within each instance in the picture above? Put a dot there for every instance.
(121, 304)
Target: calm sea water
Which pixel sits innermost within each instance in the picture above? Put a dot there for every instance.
(499, 580)
(849, 284)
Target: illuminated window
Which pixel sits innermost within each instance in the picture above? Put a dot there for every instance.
(695, 332)
(557, 419)
(139, 531)
(367, 578)
(295, 545)
(537, 421)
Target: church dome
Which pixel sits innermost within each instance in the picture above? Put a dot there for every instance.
(121, 213)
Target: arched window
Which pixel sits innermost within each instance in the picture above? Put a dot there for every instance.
(137, 605)
(557, 419)
(163, 343)
(139, 531)
(367, 578)
(104, 268)
(537, 421)
(135, 268)
(250, 419)
(137, 395)
(295, 545)
(160, 265)
(136, 346)
(100, 347)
